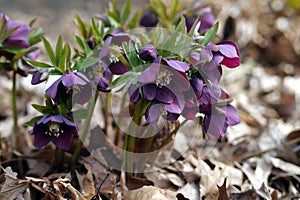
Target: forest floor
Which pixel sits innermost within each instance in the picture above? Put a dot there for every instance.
(257, 159)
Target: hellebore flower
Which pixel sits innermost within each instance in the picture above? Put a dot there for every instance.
(103, 81)
(148, 53)
(73, 85)
(148, 20)
(19, 37)
(217, 122)
(39, 76)
(109, 60)
(55, 128)
(207, 20)
(228, 53)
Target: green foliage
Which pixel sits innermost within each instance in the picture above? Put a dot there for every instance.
(210, 34)
(60, 59)
(121, 18)
(121, 80)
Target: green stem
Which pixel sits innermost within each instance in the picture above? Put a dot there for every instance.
(107, 113)
(15, 111)
(129, 142)
(84, 130)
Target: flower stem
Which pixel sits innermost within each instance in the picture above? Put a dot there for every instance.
(129, 142)
(107, 113)
(84, 130)
(15, 111)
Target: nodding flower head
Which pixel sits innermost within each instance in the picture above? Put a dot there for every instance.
(73, 85)
(55, 128)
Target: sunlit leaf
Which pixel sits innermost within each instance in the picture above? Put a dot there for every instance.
(122, 79)
(125, 12)
(210, 34)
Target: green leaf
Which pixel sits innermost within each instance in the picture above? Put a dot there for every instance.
(130, 52)
(24, 53)
(6, 34)
(112, 18)
(35, 36)
(32, 121)
(13, 50)
(58, 50)
(135, 19)
(49, 51)
(81, 26)
(38, 64)
(122, 79)
(125, 11)
(2, 25)
(95, 30)
(41, 109)
(88, 62)
(67, 49)
(210, 34)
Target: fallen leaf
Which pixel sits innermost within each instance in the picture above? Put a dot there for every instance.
(150, 193)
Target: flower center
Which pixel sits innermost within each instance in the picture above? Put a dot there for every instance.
(164, 77)
(116, 52)
(54, 128)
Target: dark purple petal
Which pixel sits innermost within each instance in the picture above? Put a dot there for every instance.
(40, 138)
(212, 71)
(102, 83)
(33, 55)
(105, 50)
(72, 79)
(214, 124)
(232, 117)
(179, 82)
(208, 19)
(119, 38)
(190, 109)
(118, 68)
(178, 65)
(148, 53)
(148, 20)
(18, 37)
(64, 140)
(172, 116)
(197, 85)
(150, 73)
(153, 112)
(164, 95)
(231, 53)
(52, 90)
(39, 76)
(134, 94)
(149, 91)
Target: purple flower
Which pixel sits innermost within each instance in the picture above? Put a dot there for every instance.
(217, 122)
(19, 37)
(207, 20)
(148, 20)
(39, 76)
(102, 81)
(73, 85)
(228, 53)
(55, 128)
(148, 53)
(110, 61)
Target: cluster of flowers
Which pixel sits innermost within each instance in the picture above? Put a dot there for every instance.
(173, 85)
(17, 39)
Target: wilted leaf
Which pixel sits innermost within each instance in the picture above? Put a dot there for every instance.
(150, 193)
